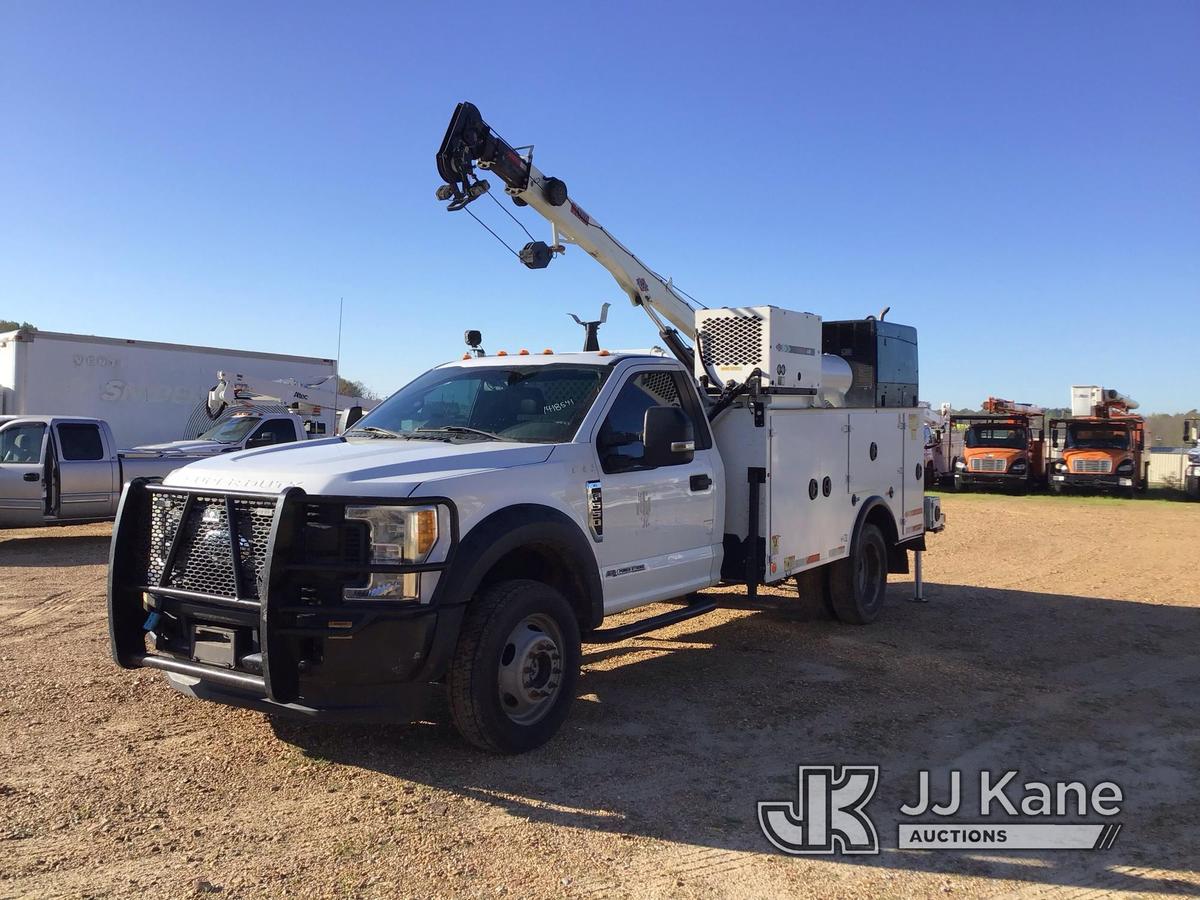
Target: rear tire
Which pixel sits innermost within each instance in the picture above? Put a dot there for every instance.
(512, 679)
(858, 585)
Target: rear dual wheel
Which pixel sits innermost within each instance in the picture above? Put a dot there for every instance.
(857, 585)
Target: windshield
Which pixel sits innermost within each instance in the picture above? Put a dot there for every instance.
(1091, 437)
(539, 404)
(1010, 436)
(231, 431)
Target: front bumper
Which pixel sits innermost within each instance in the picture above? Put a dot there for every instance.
(295, 645)
(990, 479)
(1192, 484)
(1092, 482)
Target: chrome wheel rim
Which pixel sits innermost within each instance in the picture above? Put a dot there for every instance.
(531, 669)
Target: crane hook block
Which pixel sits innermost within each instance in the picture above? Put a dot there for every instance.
(536, 255)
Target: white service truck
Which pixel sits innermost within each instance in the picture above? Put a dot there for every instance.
(484, 521)
(148, 392)
(249, 412)
(63, 470)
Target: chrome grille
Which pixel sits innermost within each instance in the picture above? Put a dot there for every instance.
(1092, 466)
(988, 465)
(204, 560)
(732, 341)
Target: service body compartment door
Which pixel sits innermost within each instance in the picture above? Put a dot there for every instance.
(876, 462)
(808, 510)
(913, 477)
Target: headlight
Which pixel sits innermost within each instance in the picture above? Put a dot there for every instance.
(1018, 467)
(1060, 466)
(959, 464)
(1125, 468)
(400, 535)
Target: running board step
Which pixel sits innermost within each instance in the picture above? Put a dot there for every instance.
(651, 623)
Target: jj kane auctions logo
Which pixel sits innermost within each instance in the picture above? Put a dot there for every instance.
(829, 814)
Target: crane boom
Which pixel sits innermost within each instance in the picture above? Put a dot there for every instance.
(469, 141)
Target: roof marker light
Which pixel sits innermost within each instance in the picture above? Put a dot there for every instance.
(523, 352)
(502, 353)
(547, 352)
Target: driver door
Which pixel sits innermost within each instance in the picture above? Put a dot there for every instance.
(660, 536)
(23, 473)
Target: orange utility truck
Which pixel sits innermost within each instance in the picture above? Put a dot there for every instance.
(1004, 446)
(1101, 446)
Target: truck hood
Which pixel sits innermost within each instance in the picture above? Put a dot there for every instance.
(377, 467)
(187, 448)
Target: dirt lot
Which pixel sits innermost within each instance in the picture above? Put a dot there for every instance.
(1060, 638)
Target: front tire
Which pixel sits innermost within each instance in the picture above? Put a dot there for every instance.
(512, 679)
(857, 585)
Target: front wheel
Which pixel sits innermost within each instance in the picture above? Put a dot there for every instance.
(512, 679)
(857, 585)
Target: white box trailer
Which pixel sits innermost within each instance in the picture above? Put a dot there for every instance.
(148, 392)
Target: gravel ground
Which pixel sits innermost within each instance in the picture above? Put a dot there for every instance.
(1059, 639)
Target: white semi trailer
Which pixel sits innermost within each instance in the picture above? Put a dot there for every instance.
(148, 392)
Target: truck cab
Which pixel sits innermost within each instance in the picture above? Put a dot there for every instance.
(1003, 449)
(1095, 453)
(64, 469)
(243, 430)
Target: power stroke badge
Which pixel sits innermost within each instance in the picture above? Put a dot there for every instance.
(830, 815)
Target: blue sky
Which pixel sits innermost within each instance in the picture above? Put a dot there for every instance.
(1020, 180)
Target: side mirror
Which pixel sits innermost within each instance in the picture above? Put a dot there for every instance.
(668, 438)
(353, 414)
(1057, 437)
(1189, 432)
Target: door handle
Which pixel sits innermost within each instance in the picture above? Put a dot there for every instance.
(31, 476)
(700, 482)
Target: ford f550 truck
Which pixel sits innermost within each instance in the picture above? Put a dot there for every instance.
(480, 524)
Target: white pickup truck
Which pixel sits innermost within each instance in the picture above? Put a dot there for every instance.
(474, 529)
(66, 470)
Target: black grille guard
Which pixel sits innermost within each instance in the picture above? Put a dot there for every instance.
(280, 617)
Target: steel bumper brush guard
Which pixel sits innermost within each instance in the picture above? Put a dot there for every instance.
(264, 600)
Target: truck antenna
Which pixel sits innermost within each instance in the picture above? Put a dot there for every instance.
(337, 364)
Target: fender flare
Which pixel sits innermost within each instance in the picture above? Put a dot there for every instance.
(509, 529)
(897, 551)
